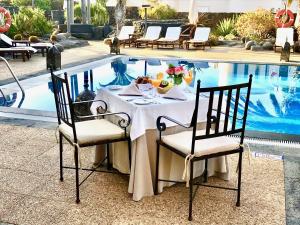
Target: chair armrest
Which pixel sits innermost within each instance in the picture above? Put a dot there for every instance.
(161, 126)
(135, 35)
(123, 123)
(90, 101)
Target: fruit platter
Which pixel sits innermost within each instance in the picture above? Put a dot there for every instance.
(164, 87)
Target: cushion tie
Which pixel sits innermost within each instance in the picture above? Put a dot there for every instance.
(186, 171)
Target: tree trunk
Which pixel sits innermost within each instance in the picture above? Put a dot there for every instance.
(83, 11)
(120, 12)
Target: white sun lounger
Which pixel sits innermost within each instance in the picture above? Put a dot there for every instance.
(125, 35)
(284, 35)
(24, 43)
(25, 51)
(171, 38)
(200, 38)
(152, 34)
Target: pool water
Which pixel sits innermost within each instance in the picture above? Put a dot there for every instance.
(274, 103)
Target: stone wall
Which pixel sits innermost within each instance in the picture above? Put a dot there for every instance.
(210, 19)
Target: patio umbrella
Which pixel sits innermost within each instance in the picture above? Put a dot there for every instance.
(193, 12)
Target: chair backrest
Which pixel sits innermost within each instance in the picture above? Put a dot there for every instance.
(6, 39)
(153, 32)
(125, 32)
(173, 33)
(283, 35)
(63, 101)
(235, 98)
(202, 34)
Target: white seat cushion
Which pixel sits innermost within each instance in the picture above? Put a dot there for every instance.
(183, 142)
(92, 131)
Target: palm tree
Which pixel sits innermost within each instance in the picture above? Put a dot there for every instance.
(120, 12)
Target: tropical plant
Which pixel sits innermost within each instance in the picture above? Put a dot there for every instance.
(57, 4)
(12, 31)
(42, 4)
(31, 21)
(255, 25)
(297, 23)
(159, 12)
(5, 2)
(99, 13)
(226, 26)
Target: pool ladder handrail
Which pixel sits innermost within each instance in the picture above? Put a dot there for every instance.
(16, 79)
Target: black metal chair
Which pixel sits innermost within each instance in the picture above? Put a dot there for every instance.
(83, 133)
(213, 141)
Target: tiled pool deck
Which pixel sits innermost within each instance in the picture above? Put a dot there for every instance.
(98, 50)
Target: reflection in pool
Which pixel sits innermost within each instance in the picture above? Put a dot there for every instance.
(274, 103)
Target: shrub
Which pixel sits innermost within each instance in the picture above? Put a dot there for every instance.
(18, 37)
(230, 37)
(255, 25)
(213, 39)
(77, 11)
(33, 39)
(12, 31)
(225, 27)
(57, 4)
(42, 4)
(31, 22)
(159, 12)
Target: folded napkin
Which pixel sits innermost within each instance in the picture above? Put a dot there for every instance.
(131, 90)
(176, 93)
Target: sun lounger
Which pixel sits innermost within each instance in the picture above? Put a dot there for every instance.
(284, 35)
(23, 43)
(200, 39)
(125, 35)
(25, 51)
(171, 38)
(152, 35)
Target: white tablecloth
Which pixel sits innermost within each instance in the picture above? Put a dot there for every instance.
(143, 134)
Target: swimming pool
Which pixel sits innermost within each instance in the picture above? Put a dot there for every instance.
(274, 103)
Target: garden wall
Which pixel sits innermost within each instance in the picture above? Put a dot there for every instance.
(211, 21)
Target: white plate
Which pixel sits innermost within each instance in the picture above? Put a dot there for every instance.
(140, 101)
(114, 87)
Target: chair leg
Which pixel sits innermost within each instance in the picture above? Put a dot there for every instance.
(157, 168)
(108, 157)
(76, 174)
(61, 157)
(205, 173)
(129, 153)
(239, 178)
(191, 190)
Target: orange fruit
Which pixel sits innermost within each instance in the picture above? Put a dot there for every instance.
(160, 76)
